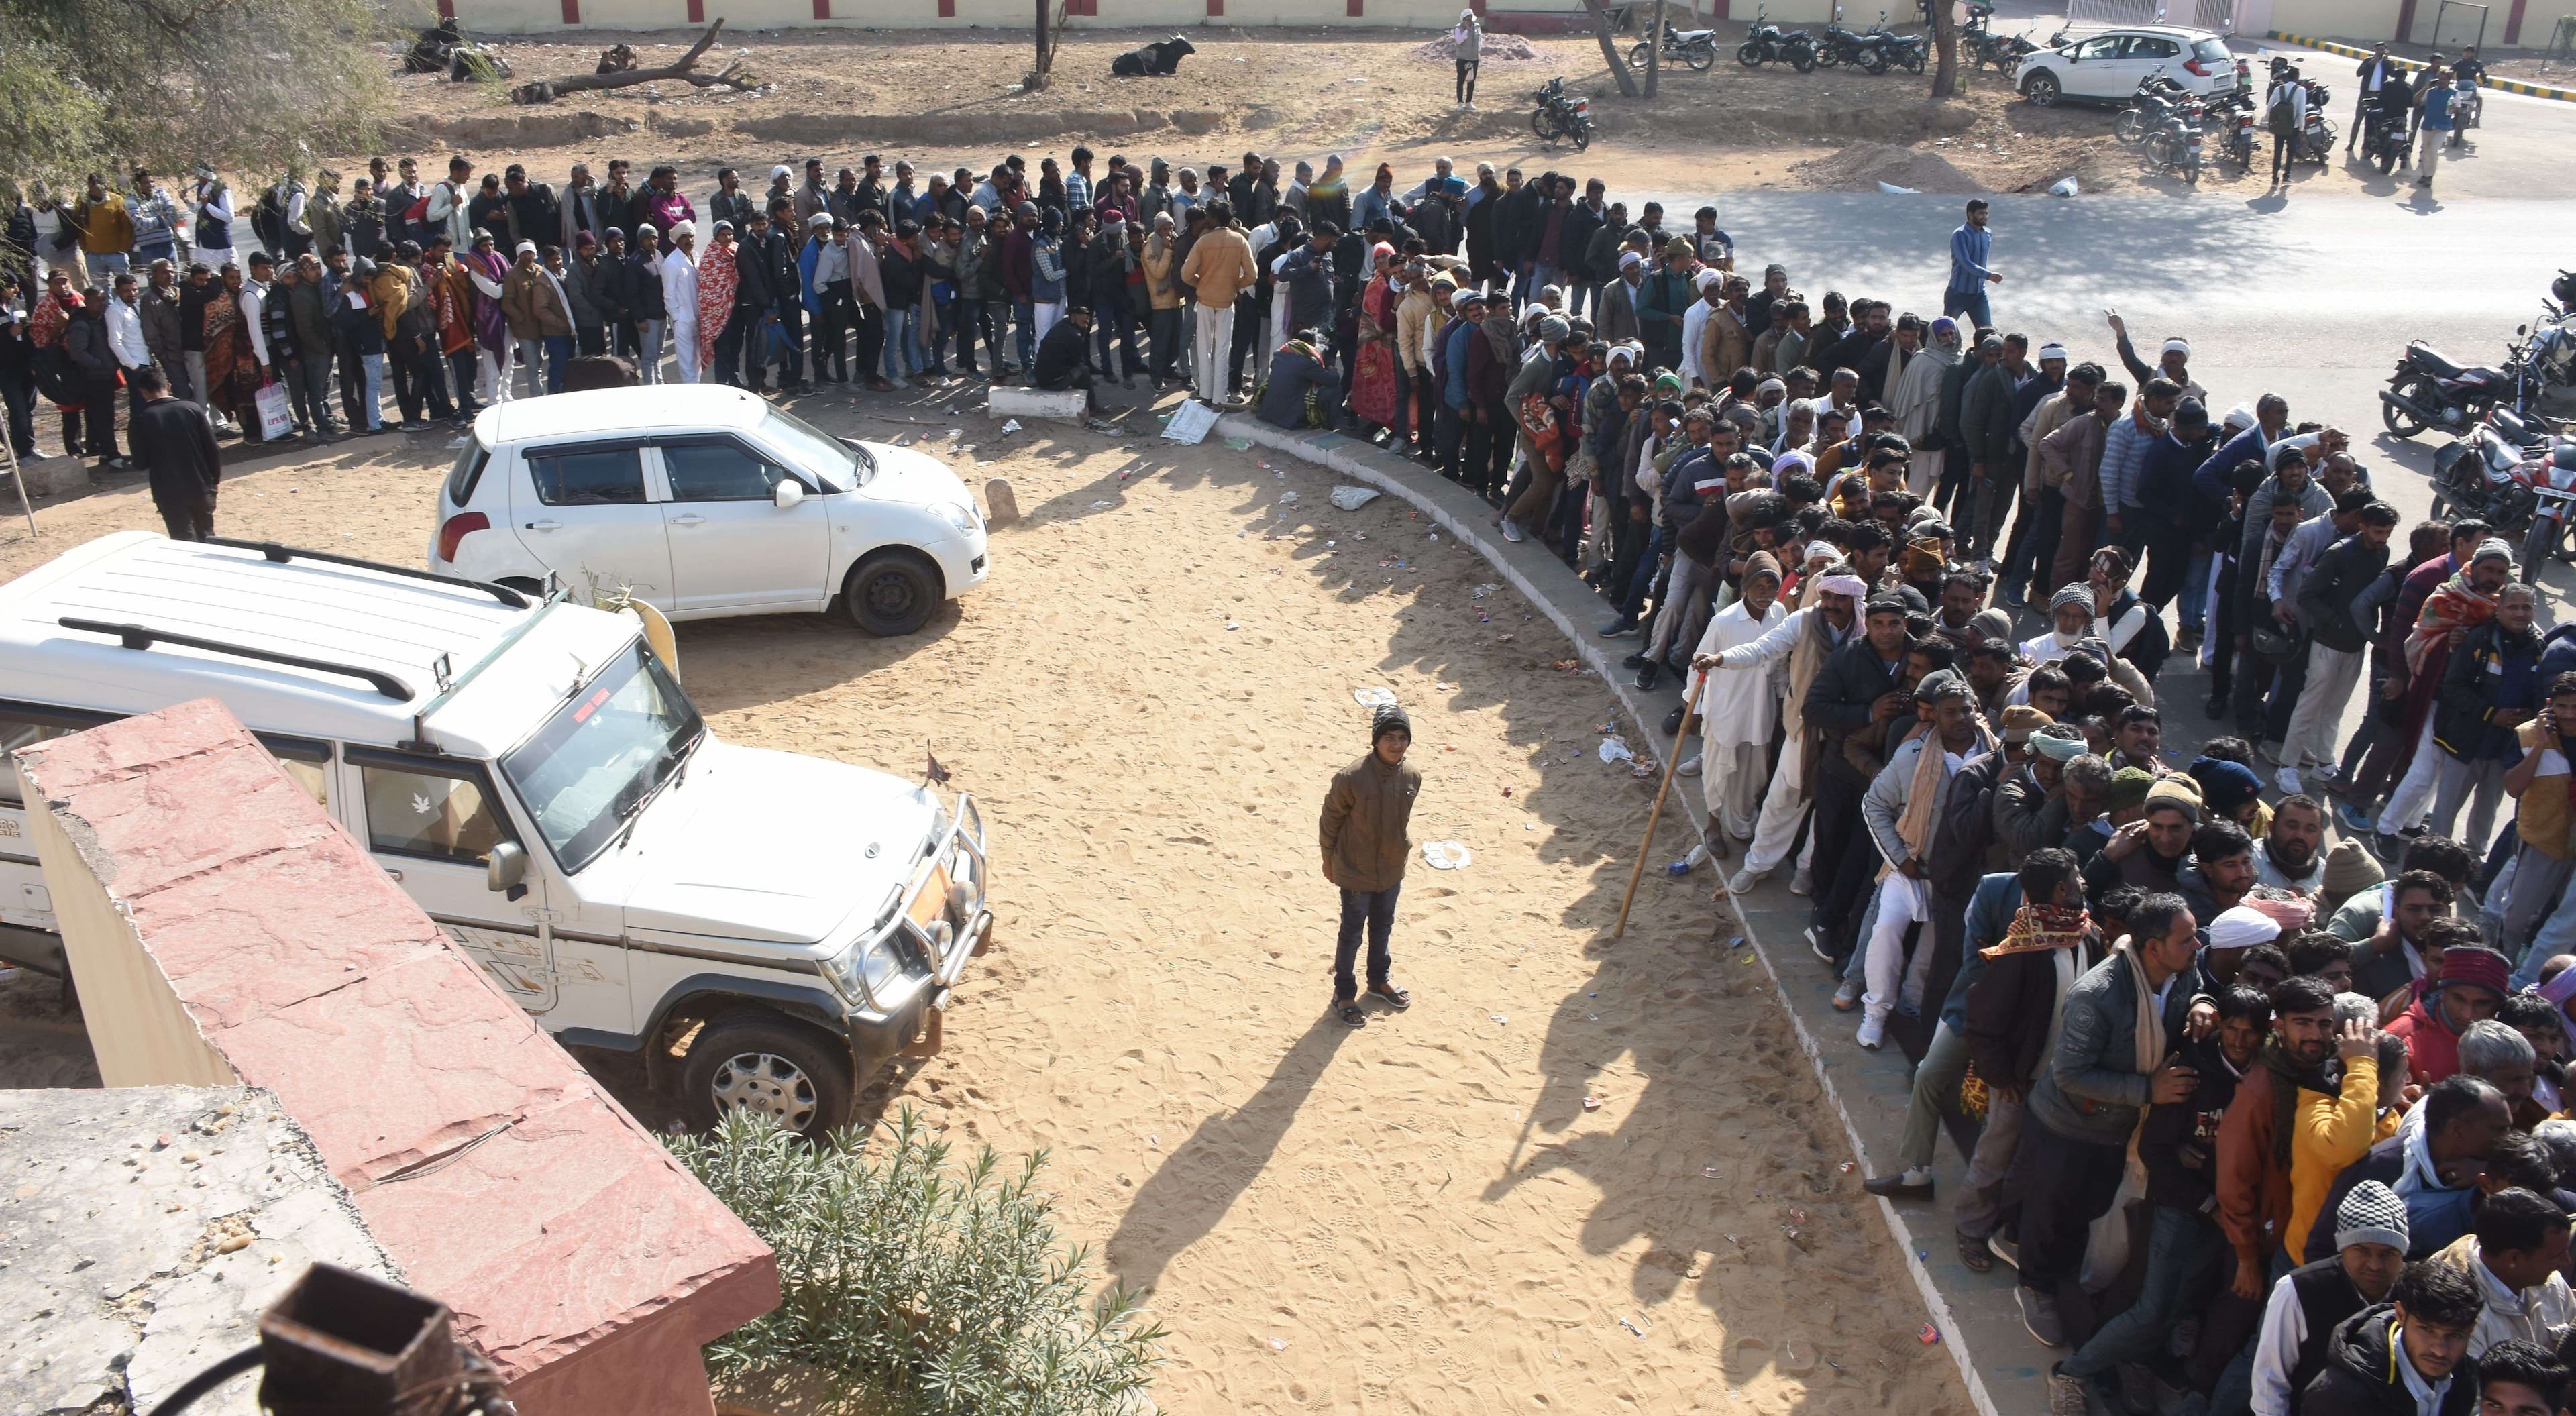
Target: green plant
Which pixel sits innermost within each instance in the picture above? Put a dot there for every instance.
(934, 1289)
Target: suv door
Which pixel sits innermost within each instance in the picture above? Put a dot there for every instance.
(2093, 69)
(733, 548)
(589, 514)
(431, 823)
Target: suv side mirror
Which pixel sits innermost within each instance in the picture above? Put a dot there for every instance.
(505, 867)
(789, 493)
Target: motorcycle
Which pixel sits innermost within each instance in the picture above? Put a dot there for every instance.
(2176, 144)
(2383, 134)
(2512, 472)
(2156, 97)
(1842, 46)
(1561, 115)
(2002, 51)
(1912, 51)
(2429, 389)
(2465, 104)
(2236, 111)
(1695, 48)
(1768, 43)
(2317, 138)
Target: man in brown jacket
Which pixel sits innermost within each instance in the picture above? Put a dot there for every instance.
(2073, 457)
(1364, 839)
(1218, 268)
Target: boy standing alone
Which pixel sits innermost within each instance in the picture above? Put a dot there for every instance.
(1364, 839)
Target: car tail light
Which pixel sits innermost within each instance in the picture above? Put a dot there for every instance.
(458, 527)
(2195, 68)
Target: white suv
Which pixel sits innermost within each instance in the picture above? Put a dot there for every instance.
(2108, 65)
(530, 772)
(703, 500)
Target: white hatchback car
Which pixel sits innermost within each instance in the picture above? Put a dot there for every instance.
(2107, 66)
(704, 500)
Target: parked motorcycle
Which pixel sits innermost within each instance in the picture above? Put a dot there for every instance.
(2513, 473)
(2317, 139)
(2383, 134)
(1912, 51)
(2465, 105)
(1768, 43)
(2156, 97)
(2429, 389)
(2176, 144)
(2004, 52)
(2232, 116)
(1561, 115)
(1695, 48)
(1842, 46)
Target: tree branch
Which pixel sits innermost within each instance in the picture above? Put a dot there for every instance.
(734, 76)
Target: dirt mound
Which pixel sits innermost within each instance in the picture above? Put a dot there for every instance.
(1497, 49)
(1861, 167)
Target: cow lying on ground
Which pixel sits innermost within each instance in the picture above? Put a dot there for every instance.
(1162, 57)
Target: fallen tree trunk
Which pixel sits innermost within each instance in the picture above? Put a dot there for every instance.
(733, 75)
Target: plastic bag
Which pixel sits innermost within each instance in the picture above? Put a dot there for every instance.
(276, 419)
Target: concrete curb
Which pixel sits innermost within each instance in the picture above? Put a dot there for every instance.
(2352, 51)
(1544, 581)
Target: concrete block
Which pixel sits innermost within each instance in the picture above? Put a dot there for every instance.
(142, 1230)
(1001, 504)
(51, 477)
(577, 1254)
(1063, 405)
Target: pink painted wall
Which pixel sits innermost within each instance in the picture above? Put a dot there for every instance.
(576, 1253)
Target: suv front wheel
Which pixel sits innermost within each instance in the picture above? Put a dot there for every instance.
(892, 592)
(759, 1062)
(2042, 90)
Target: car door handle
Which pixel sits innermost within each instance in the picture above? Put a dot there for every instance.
(544, 525)
(691, 519)
(396, 874)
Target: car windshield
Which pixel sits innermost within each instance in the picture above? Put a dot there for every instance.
(603, 754)
(841, 466)
(2212, 51)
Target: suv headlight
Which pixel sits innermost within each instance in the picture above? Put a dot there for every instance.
(866, 969)
(961, 517)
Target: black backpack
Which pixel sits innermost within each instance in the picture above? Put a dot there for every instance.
(2284, 117)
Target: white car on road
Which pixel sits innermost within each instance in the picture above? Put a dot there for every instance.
(2108, 65)
(704, 500)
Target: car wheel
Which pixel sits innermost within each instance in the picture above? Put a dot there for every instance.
(762, 1063)
(892, 593)
(2042, 90)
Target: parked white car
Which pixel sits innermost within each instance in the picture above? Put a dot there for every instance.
(2108, 65)
(531, 773)
(704, 500)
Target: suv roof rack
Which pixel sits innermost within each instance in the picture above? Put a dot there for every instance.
(136, 636)
(279, 554)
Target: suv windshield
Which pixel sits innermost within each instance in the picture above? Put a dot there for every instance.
(2213, 51)
(599, 759)
(841, 466)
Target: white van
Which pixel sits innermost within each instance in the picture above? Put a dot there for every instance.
(704, 500)
(765, 929)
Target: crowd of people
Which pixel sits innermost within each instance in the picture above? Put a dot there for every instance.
(2319, 1039)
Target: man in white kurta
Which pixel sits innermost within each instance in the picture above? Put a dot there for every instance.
(1801, 641)
(1914, 396)
(1737, 711)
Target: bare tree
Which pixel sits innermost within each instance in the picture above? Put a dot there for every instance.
(1655, 49)
(1048, 31)
(1945, 48)
(1610, 48)
(735, 75)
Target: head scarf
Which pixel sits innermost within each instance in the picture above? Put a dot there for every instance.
(2060, 743)
(2242, 927)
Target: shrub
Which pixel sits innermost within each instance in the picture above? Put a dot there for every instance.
(933, 1290)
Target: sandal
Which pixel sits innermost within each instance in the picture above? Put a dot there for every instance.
(1352, 1015)
(1395, 997)
(1974, 1253)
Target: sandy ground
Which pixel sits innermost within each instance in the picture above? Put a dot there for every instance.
(1419, 1216)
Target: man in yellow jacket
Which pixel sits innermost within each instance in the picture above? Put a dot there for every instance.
(1219, 267)
(1364, 837)
(1163, 294)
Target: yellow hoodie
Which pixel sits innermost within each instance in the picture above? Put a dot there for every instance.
(2329, 1133)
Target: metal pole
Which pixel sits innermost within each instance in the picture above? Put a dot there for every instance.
(18, 473)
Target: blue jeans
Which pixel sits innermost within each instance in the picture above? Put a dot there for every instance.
(2183, 1250)
(558, 354)
(1967, 302)
(898, 350)
(2195, 593)
(1024, 314)
(375, 367)
(1376, 910)
(1644, 580)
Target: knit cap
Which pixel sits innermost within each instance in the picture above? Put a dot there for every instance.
(2174, 790)
(1389, 718)
(2021, 720)
(1994, 626)
(2226, 786)
(2350, 869)
(2371, 1213)
(2070, 595)
(2128, 788)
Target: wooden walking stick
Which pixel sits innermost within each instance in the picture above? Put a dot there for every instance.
(1690, 708)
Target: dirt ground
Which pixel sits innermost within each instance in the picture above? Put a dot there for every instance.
(1425, 1215)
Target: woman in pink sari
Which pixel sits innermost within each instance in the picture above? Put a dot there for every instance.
(717, 277)
(1373, 391)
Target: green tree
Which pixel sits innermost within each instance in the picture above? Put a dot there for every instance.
(243, 85)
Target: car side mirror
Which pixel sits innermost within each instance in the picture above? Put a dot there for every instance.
(2520, 330)
(789, 494)
(505, 868)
